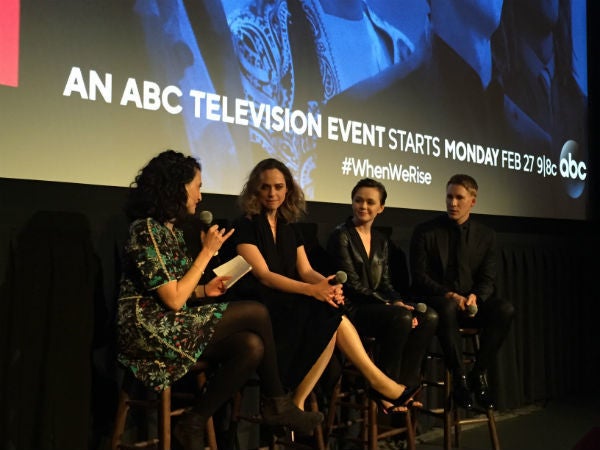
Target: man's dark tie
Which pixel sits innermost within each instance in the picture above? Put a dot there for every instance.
(465, 281)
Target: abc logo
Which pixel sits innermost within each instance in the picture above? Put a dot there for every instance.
(569, 168)
(572, 169)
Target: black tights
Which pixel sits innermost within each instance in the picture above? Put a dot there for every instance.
(241, 345)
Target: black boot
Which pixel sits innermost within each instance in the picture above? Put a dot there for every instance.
(478, 384)
(281, 412)
(189, 430)
(460, 391)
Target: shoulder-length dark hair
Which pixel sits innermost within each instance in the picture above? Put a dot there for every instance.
(369, 182)
(158, 190)
(294, 205)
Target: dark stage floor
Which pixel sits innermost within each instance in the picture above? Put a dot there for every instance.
(565, 425)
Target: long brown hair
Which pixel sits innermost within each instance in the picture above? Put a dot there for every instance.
(294, 205)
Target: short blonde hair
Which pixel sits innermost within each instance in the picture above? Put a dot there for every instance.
(466, 181)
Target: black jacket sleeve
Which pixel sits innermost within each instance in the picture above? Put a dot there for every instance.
(368, 277)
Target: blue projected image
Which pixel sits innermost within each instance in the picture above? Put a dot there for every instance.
(579, 38)
(408, 92)
(178, 59)
(540, 74)
(479, 88)
(270, 41)
(467, 70)
(298, 55)
(538, 70)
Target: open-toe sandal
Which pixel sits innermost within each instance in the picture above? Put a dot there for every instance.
(405, 399)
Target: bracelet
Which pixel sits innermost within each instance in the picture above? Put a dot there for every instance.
(201, 271)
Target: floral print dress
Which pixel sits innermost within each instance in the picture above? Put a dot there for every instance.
(157, 344)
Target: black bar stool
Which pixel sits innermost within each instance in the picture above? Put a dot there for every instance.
(350, 406)
(452, 417)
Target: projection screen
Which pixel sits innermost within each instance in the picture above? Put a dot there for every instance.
(405, 91)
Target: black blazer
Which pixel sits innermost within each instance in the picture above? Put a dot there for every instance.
(368, 277)
(429, 248)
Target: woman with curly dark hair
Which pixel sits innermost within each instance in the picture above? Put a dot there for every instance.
(161, 335)
(304, 305)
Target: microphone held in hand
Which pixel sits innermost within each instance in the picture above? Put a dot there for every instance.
(419, 308)
(472, 310)
(340, 278)
(206, 221)
(205, 218)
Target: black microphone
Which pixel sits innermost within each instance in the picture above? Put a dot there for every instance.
(472, 310)
(205, 218)
(206, 221)
(340, 278)
(420, 308)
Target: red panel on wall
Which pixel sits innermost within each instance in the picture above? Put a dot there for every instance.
(9, 42)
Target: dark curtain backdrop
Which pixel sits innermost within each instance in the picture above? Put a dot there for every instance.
(553, 348)
(47, 328)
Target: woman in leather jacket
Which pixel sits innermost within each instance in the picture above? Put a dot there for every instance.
(373, 305)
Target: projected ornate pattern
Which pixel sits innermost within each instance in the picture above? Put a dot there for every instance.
(260, 36)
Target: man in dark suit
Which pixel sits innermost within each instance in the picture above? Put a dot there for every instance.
(453, 265)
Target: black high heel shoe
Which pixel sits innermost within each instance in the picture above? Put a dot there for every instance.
(405, 399)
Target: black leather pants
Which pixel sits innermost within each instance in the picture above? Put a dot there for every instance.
(493, 318)
(400, 348)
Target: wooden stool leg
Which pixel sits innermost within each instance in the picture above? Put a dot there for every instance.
(372, 426)
(164, 420)
(314, 407)
(411, 440)
(492, 430)
(120, 420)
(456, 419)
(371, 431)
(366, 432)
(453, 418)
(332, 409)
(447, 410)
(211, 435)
(150, 402)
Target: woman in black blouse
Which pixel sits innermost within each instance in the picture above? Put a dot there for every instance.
(304, 305)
